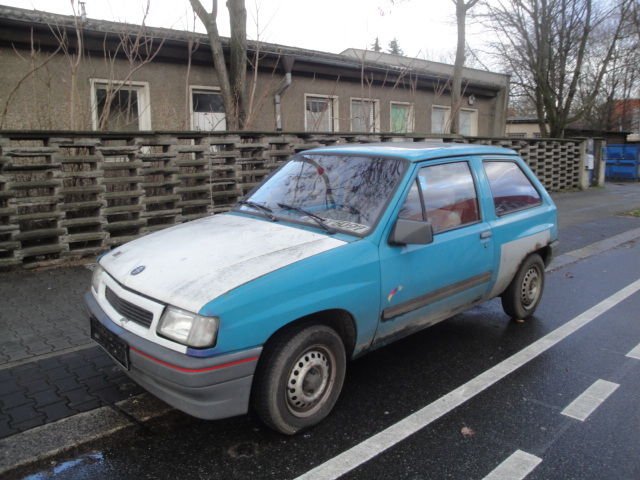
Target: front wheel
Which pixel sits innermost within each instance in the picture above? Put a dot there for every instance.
(522, 296)
(300, 378)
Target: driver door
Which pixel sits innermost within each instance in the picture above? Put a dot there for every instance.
(423, 284)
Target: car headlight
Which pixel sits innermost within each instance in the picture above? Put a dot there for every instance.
(188, 328)
(95, 278)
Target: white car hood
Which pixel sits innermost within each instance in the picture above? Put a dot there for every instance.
(191, 264)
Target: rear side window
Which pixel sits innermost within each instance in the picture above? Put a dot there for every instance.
(511, 189)
(449, 195)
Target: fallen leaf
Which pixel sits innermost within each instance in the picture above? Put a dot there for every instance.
(467, 432)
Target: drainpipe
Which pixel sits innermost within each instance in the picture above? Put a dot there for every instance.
(287, 64)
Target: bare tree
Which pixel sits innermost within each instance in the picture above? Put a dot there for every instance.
(232, 81)
(545, 43)
(462, 7)
(138, 48)
(74, 56)
(35, 64)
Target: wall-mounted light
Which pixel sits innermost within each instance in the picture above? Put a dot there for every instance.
(471, 100)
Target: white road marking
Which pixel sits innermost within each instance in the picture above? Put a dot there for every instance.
(635, 353)
(378, 443)
(589, 400)
(516, 467)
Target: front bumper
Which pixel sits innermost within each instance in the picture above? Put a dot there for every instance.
(209, 388)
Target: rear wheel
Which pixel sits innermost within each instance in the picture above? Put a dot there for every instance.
(300, 378)
(522, 296)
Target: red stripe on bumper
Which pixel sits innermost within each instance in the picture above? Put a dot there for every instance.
(194, 370)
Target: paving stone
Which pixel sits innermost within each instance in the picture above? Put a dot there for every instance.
(75, 397)
(56, 373)
(66, 384)
(9, 386)
(5, 427)
(90, 405)
(49, 364)
(35, 386)
(111, 394)
(95, 383)
(33, 422)
(24, 369)
(86, 371)
(56, 411)
(45, 398)
(22, 413)
(14, 400)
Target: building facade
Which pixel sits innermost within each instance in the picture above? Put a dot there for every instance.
(70, 73)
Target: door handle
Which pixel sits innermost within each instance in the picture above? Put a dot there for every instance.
(486, 234)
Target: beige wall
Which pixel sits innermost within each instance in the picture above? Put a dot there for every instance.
(42, 100)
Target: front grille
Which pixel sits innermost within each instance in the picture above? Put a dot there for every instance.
(129, 310)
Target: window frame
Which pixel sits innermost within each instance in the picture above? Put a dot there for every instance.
(376, 113)
(447, 119)
(203, 89)
(144, 102)
(335, 123)
(529, 179)
(412, 118)
(474, 129)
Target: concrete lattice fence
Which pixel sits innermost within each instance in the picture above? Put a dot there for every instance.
(67, 195)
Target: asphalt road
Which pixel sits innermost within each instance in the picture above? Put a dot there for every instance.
(521, 412)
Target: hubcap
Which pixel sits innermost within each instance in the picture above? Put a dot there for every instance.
(530, 287)
(310, 381)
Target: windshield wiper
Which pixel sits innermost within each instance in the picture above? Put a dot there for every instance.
(261, 208)
(318, 219)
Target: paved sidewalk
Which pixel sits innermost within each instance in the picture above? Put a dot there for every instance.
(50, 369)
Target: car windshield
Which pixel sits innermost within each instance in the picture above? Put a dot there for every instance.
(335, 192)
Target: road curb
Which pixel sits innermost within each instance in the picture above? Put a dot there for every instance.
(593, 249)
(54, 438)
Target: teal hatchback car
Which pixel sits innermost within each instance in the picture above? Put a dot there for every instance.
(340, 251)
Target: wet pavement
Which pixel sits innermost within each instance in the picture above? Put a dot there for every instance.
(521, 412)
(49, 369)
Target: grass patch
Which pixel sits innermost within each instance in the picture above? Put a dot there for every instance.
(633, 213)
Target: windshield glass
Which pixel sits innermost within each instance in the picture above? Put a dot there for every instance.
(345, 192)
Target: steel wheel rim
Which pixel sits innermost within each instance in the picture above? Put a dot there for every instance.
(531, 287)
(310, 381)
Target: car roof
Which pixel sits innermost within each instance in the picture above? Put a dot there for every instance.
(413, 151)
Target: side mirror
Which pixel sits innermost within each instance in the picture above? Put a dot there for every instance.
(411, 232)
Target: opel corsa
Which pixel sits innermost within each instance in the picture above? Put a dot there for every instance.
(339, 251)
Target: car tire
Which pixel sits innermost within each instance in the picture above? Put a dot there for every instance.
(299, 378)
(522, 296)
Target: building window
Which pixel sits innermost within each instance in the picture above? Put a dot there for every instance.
(401, 117)
(207, 109)
(468, 122)
(320, 113)
(120, 106)
(517, 135)
(440, 119)
(365, 115)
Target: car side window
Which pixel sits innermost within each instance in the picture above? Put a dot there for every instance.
(511, 189)
(412, 207)
(449, 194)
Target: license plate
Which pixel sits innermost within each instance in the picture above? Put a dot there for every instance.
(116, 348)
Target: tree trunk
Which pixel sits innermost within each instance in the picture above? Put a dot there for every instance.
(238, 57)
(217, 54)
(456, 86)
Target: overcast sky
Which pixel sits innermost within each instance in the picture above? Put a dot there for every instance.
(424, 28)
